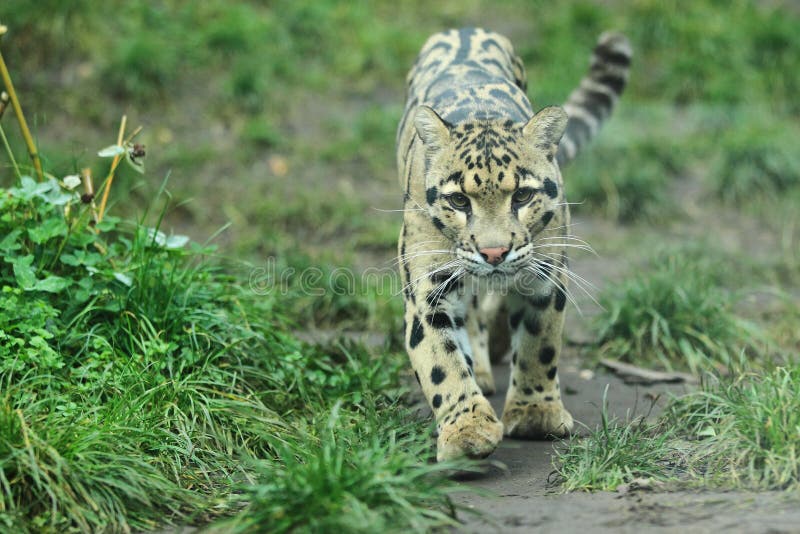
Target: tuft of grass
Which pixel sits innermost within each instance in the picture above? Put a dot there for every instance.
(737, 432)
(674, 314)
(745, 431)
(362, 473)
(756, 162)
(615, 453)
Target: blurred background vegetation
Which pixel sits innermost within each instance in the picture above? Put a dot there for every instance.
(279, 117)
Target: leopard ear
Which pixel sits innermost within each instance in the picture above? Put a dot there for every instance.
(431, 128)
(546, 127)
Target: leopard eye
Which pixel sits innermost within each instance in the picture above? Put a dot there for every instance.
(458, 201)
(522, 196)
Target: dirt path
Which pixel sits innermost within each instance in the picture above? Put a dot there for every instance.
(519, 498)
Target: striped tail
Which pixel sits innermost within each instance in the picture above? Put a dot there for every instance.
(593, 101)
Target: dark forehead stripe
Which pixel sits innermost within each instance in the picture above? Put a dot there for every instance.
(456, 177)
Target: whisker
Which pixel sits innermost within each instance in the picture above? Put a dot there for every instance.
(535, 269)
(404, 258)
(382, 210)
(579, 281)
(447, 265)
(439, 289)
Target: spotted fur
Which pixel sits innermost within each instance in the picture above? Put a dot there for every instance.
(486, 228)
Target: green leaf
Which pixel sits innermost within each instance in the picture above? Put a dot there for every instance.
(52, 284)
(48, 229)
(24, 273)
(9, 243)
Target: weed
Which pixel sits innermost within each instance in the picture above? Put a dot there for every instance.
(362, 474)
(746, 430)
(676, 315)
(615, 453)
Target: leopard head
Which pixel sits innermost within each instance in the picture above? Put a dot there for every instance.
(493, 188)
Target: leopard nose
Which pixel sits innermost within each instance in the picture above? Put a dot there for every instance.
(494, 255)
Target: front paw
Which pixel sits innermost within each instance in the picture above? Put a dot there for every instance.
(536, 420)
(472, 431)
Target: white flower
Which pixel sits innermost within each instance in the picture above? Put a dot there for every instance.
(72, 181)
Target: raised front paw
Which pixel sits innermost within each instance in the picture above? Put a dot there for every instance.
(536, 420)
(473, 431)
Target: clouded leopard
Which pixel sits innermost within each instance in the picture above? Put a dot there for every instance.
(486, 227)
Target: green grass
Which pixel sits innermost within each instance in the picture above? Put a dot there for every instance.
(142, 387)
(737, 432)
(756, 161)
(362, 474)
(744, 431)
(674, 314)
(615, 453)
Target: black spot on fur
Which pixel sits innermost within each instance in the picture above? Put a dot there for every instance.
(431, 195)
(540, 302)
(469, 361)
(437, 222)
(450, 345)
(546, 218)
(436, 401)
(551, 373)
(417, 335)
(416, 375)
(459, 322)
(561, 298)
(539, 388)
(439, 320)
(527, 391)
(455, 177)
(548, 398)
(515, 318)
(546, 355)
(533, 325)
(462, 397)
(437, 375)
(550, 188)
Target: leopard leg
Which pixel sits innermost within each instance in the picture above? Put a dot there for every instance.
(533, 407)
(439, 349)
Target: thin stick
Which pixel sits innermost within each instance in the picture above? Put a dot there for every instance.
(23, 124)
(114, 163)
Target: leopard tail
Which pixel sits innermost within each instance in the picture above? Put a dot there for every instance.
(592, 102)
